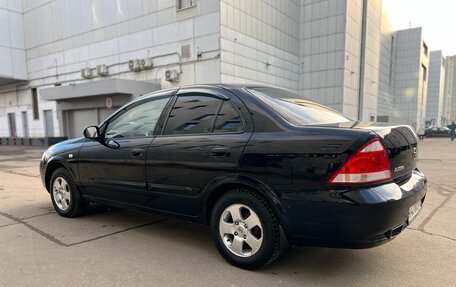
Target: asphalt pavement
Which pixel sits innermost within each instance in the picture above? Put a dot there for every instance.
(113, 247)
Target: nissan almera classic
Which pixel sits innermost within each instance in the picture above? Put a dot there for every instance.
(260, 165)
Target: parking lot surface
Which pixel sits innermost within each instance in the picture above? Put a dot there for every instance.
(112, 247)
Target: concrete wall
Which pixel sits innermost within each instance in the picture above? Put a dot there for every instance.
(352, 58)
(371, 68)
(260, 42)
(435, 92)
(12, 54)
(336, 52)
(385, 100)
(64, 36)
(322, 51)
(410, 86)
(340, 55)
(20, 100)
(449, 110)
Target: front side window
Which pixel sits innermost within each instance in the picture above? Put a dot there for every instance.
(138, 121)
(295, 110)
(193, 114)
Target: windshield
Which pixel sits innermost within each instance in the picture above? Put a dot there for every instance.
(295, 110)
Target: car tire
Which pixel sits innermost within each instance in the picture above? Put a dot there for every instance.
(249, 247)
(65, 195)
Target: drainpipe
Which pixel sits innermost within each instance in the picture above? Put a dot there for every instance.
(362, 61)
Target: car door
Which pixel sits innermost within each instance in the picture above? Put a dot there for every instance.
(113, 168)
(442, 132)
(202, 141)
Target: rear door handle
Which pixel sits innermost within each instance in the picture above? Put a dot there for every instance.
(220, 151)
(137, 152)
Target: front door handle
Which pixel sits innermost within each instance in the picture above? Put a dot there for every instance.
(220, 152)
(137, 152)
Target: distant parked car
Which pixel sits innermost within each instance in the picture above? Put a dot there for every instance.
(259, 165)
(437, 132)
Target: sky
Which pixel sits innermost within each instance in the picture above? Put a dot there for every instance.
(437, 17)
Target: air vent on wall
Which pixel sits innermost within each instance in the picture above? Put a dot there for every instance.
(185, 51)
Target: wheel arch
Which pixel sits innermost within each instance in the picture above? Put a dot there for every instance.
(51, 167)
(216, 190)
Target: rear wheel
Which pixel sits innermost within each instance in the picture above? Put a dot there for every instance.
(245, 229)
(65, 196)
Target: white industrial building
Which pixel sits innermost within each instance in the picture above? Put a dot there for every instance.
(408, 79)
(70, 63)
(435, 94)
(449, 98)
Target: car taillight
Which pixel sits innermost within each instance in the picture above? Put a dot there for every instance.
(368, 165)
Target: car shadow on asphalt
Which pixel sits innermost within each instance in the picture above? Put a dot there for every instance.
(311, 261)
(315, 261)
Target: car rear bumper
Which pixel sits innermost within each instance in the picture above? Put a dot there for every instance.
(357, 218)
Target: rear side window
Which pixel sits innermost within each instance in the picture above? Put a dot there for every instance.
(192, 114)
(228, 120)
(295, 109)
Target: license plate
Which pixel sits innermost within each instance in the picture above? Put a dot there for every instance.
(413, 211)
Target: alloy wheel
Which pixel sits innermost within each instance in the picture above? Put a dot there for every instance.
(61, 193)
(241, 230)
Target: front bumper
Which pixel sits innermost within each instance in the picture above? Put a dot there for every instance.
(357, 218)
(43, 165)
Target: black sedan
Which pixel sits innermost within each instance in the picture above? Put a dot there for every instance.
(260, 165)
(437, 132)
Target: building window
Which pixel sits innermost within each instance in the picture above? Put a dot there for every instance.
(425, 48)
(36, 113)
(184, 4)
(424, 71)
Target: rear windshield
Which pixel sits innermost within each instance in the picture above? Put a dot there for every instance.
(297, 110)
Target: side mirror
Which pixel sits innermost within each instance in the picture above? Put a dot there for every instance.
(92, 132)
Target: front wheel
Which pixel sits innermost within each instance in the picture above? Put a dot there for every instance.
(65, 196)
(245, 229)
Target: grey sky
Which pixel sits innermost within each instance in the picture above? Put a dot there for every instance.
(437, 17)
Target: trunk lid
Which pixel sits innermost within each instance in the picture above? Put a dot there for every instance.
(401, 143)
